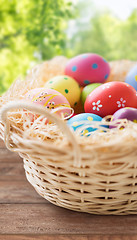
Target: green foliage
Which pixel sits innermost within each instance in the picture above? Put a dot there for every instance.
(35, 30)
(128, 37)
(30, 31)
(106, 35)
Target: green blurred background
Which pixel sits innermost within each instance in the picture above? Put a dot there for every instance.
(35, 30)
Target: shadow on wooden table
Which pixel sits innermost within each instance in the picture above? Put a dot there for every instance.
(24, 215)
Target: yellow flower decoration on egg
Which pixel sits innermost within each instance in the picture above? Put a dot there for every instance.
(75, 124)
(135, 120)
(136, 77)
(85, 132)
(90, 118)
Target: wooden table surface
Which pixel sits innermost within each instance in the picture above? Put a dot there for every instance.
(24, 215)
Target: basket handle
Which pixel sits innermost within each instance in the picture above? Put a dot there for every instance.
(42, 111)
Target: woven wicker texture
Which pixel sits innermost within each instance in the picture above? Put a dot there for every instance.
(95, 174)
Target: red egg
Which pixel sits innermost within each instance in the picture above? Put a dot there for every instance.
(88, 68)
(109, 97)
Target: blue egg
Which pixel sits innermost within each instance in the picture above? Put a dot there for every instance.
(80, 121)
(131, 77)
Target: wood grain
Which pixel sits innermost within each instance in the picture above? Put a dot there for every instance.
(12, 171)
(7, 156)
(49, 219)
(19, 192)
(24, 215)
(2, 144)
(69, 237)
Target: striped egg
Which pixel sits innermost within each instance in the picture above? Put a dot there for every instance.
(84, 123)
(50, 99)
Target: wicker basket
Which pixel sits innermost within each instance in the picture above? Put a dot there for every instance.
(89, 174)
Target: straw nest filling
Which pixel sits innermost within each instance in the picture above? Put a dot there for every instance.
(95, 174)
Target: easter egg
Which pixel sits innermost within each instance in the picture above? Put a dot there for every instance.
(126, 113)
(87, 90)
(66, 86)
(131, 77)
(50, 99)
(81, 122)
(109, 97)
(88, 68)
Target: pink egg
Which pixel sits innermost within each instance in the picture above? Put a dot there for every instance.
(88, 68)
(50, 99)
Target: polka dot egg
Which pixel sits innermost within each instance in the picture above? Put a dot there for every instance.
(81, 123)
(50, 99)
(88, 68)
(67, 86)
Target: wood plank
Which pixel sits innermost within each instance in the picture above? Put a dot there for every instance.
(19, 192)
(12, 171)
(69, 237)
(8, 156)
(2, 144)
(49, 219)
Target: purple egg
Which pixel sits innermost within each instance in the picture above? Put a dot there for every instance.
(125, 113)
